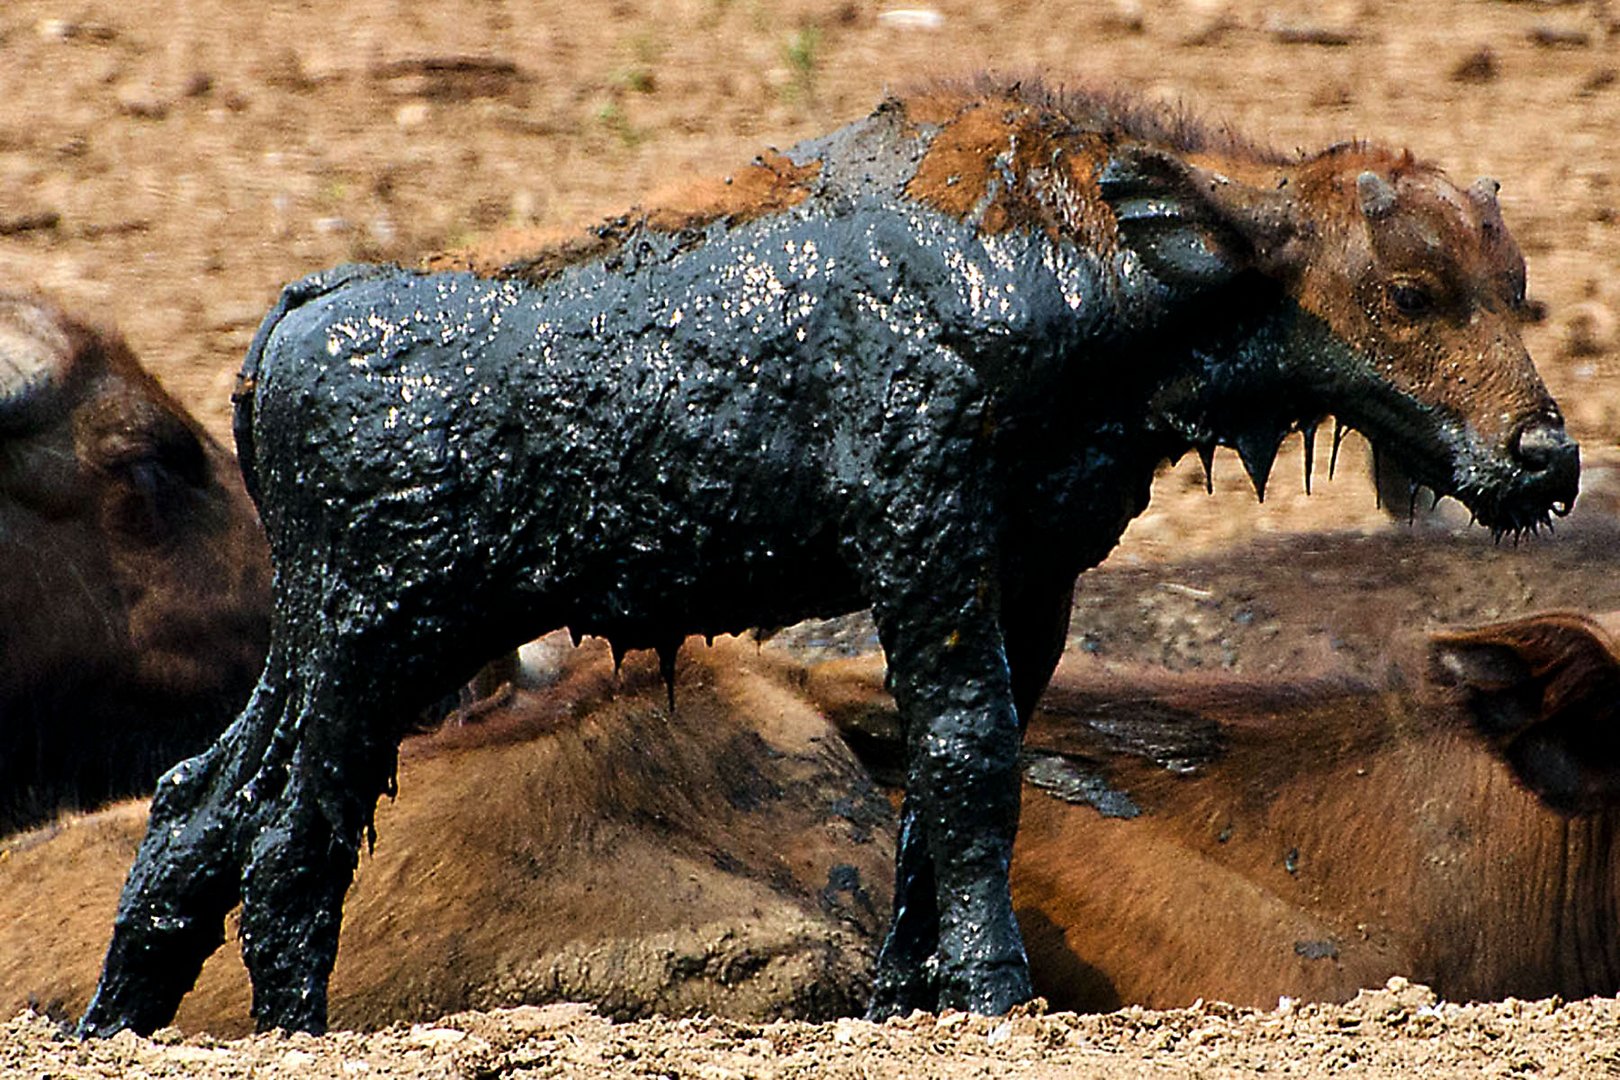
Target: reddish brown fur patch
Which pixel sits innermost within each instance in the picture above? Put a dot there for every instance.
(1052, 145)
(543, 251)
(1102, 111)
(961, 166)
(942, 103)
(1015, 165)
(770, 185)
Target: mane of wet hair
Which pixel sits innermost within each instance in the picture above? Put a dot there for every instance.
(771, 183)
(1400, 163)
(1170, 124)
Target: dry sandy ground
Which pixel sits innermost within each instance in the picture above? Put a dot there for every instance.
(1399, 1030)
(167, 164)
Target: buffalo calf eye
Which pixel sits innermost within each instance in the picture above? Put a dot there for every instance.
(1410, 299)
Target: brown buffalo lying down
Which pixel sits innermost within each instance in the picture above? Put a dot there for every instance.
(578, 843)
(134, 581)
(1448, 822)
(1188, 836)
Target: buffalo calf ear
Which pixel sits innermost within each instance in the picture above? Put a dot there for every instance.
(1544, 691)
(1192, 226)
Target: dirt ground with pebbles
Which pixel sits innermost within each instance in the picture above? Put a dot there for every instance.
(1398, 1030)
(166, 165)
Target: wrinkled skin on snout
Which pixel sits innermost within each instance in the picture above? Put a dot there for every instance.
(134, 606)
(926, 364)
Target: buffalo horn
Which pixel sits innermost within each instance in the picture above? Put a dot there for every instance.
(32, 349)
(1377, 194)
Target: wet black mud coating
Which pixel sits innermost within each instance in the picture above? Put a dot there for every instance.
(864, 398)
(1074, 782)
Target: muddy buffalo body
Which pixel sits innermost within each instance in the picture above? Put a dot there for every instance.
(134, 605)
(925, 364)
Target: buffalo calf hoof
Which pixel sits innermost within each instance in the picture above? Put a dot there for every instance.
(900, 993)
(990, 990)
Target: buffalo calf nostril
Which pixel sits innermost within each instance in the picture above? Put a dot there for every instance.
(1540, 446)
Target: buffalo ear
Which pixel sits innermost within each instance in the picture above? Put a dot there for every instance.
(1544, 692)
(1193, 226)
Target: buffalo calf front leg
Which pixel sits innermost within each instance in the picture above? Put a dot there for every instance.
(949, 674)
(904, 980)
(963, 775)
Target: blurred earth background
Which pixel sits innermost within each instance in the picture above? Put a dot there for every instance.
(166, 165)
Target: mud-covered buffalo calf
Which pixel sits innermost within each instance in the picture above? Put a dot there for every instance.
(1455, 823)
(926, 364)
(134, 599)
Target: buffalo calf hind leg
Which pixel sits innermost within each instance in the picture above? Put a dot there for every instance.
(299, 868)
(185, 879)
(303, 856)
